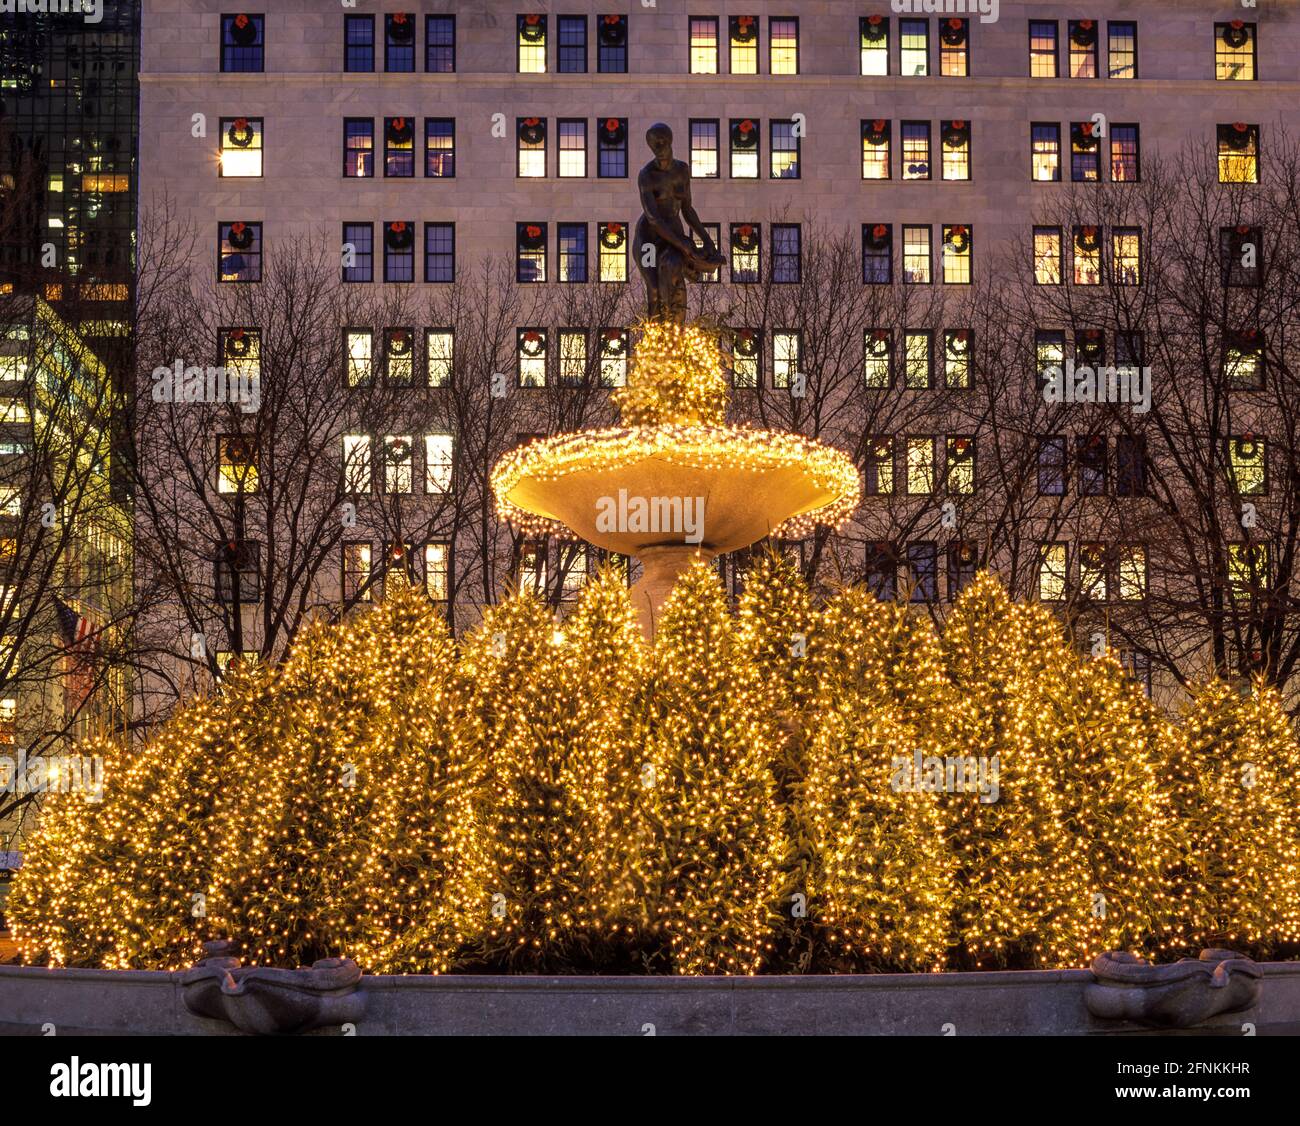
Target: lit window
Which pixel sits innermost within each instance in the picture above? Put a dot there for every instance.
(358, 43)
(611, 148)
(1052, 472)
(399, 252)
(1049, 350)
(785, 358)
(397, 463)
(241, 352)
(880, 467)
(530, 252)
(877, 358)
(399, 147)
(1248, 568)
(704, 149)
(240, 252)
(1122, 39)
(573, 147)
(877, 253)
(1045, 150)
(1234, 51)
(611, 47)
(960, 465)
(914, 47)
(916, 150)
(531, 56)
(787, 255)
(358, 147)
(572, 54)
(920, 466)
(242, 43)
(714, 233)
(785, 150)
(1042, 48)
(1126, 255)
(956, 254)
(916, 255)
(356, 463)
(1047, 255)
(746, 357)
(956, 358)
(358, 353)
(955, 137)
(399, 357)
(11, 500)
(440, 44)
(917, 370)
(1243, 359)
(1085, 152)
(744, 148)
(439, 451)
(1092, 572)
(532, 566)
(532, 357)
(746, 250)
(1124, 153)
(573, 357)
(8, 720)
(1051, 572)
(440, 147)
(439, 354)
(613, 357)
(783, 40)
(1083, 49)
(531, 134)
(704, 45)
(399, 42)
(1248, 465)
(743, 31)
(1087, 255)
(356, 572)
(613, 252)
(437, 570)
(571, 242)
(237, 466)
(875, 149)
(1238, 153)
(873, 36)
(14, 411)
(241, 146)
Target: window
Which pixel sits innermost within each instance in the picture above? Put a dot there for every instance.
(358, 146)
(1093, 456)
(573, 357)
(1248, 465)
(399, 357)
(880, 466)
(238, 575)
(1248, 569)
(877, 253)
(746, 250)
(956, 358)
(1051, 572)
(960, 465)
(704, 45)
(714, 231)
(1051, 466)
(359, 43)
(704, 149)
(399, 252)
(916, 255)
(531, 50)
(963, 560)
(241, 146)
(611, 148)
(1047, 255)
(1085, 152)
(241, 352)
(440, 44)
(358, 353)
(613, 252)
(744, 148)
(439, 450)
(613, 357)
(783, 45)
(356, 571)
(743, 31)
(1045, 151)
(1042, 48)
(1083, 49)
(531, 134)
(746, 358)
(611, 47)
(1128, 349)
(875, 149)
(532, 357)
(358, 252)
(236, 465)
(572, 57)
(1243, 359)
(1089, 346)
(1092, 572)
(399, 42)
(882, 570)
(1234, 51)
(1137, 667)
(440, 252)
(397, 463)
(785, 150)
(917, 368)
(530, 252)
(1122, 45)
(955, 136)
(1239, 255)
(532, 566)
(873, 38)
(239, 252)
(916, 150)
(573, 147)
(571, 242)
(1049, 350)
(1130, 465)
(242, 43)
(1124, 153)
(920, 466)
(786, 350)
(914, 47)
(956, 257)
(1238, 153)
(1086, 245)
(437, 570)
(877, 359)
(923, 569)
(787, 259)
(440, 147)
(1126, 255)
(954, 48)
(399, 147)
(356, 463)
(439, 355)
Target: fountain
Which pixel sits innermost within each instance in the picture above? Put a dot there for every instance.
(674, 483)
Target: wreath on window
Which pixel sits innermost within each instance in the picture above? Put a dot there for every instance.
(613, 31)
(1088, 239)
(615, 344)
(532, 130)
(958, 239)
(1246, 447)
(961, 450)
(532, 29)
(744, 134)
(878, 342)
(531, 344)
(743, 29)
(398, 236)
(1239, 136)
(953, 33)
(959, 342)
(532, 237)
(240, 236)
(243, 31)
(240, 133)
(238, 344)
(238, 555)
(876, 132)
(879, 236)
(965, 553)
(237, 452)
(874, 29)
(1246, 341)
(1084, 34)
(744, 238)
(1085, 136)
(1243, 230)
(397, 452)
(399, 344)
(1236, 35)
(956, 135)
(613, 236)
(401, 28)
(746, 343)
(615, 132)
(399, 131)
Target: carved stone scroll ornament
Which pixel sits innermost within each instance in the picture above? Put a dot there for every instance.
(1179, 995)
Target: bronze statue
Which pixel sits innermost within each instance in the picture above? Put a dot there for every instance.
(666, 255)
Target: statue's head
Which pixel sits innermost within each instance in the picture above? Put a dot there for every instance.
(660, 139)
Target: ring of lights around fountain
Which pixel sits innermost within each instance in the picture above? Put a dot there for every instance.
(754, 483)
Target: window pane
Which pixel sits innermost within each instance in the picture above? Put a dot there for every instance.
(873, 33)
(783, 35)
(704, 46)
(704, 149)
(532, 44)
(914, 47)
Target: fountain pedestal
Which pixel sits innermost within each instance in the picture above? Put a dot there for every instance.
(661, 567)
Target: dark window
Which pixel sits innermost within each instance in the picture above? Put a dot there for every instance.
(1085, 152)
(1130, 466)
(239, 252)
(882, 570)
(242, 44)
(238, 576)
(399, 42)
(440, 44)
(1094, 463)
(963, 560)
(879, 469)
(358, 252)
(787, 258)
(877, 253)
(358, 146)
(530, 252)
(1241, 252)
(440, 147)
(915, 136)
(1051, 466)
(611, 44)
(399, 146)
(358, 43)
(1137, 666)
(399, 252)
(573, 45)
(611, 148)
(571, 243)
(439, 252)
(923, 566)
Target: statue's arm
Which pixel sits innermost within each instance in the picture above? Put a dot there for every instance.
(693, 220)
(657, 224)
